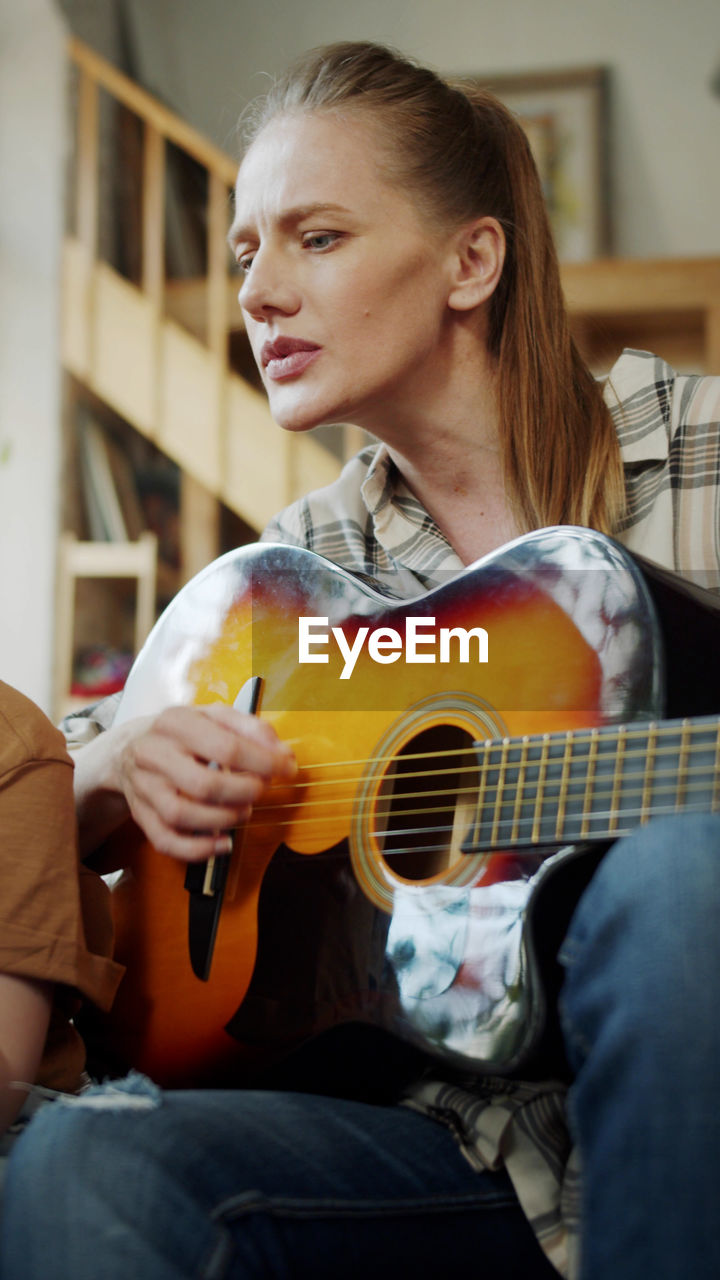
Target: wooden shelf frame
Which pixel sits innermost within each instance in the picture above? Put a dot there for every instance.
(668, 305)
(80, 559)
(170, 380)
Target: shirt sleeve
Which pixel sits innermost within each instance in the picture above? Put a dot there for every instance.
(81, 727)
(55, 922)
(668, 427)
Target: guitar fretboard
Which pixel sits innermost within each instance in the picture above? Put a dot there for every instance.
(593, 784)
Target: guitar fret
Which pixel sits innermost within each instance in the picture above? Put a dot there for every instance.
(715, 802)
(589, 783)
(484, 766)
(542, 771)
(500, 788)
(682, 765)
(617, 780)
(649, 774)
(519, 792)
(562, 796)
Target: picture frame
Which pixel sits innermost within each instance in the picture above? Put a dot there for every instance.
(565, 115)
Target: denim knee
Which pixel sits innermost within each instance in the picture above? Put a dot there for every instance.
(90, 1189)
(643, 941)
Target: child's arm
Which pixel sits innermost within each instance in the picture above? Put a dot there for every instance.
(24, 1016)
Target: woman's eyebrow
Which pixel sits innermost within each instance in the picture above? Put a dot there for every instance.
(238, 232)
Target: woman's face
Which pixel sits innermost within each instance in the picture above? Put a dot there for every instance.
(345, 288)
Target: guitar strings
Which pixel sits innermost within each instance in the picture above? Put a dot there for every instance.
(517, 821)
(626, 820)
(491, 748)
(511, 827)
(461, 792)
(548, 758)
(631, 781)
(598, 736)
(483, 766)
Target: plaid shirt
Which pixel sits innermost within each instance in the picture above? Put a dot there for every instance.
(369, 523)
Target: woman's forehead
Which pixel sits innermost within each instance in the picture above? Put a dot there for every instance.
(311, 158)
(301, 138)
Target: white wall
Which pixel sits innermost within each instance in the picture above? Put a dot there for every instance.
(209, 59)
(32, 149)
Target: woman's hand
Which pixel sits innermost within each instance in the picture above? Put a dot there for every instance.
(187, 777)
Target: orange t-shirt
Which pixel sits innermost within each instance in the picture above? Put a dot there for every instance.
(55, 922)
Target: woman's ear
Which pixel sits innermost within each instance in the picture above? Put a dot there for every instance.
(478, 263)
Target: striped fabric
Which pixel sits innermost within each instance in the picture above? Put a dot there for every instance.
(667, 426)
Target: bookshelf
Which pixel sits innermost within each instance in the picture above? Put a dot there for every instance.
(108, 560)
(136, 561)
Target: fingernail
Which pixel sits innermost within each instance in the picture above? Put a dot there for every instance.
(223, 844)
(289, 765)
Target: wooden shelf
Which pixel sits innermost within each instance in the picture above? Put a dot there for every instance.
(76, 559)
(670, 306)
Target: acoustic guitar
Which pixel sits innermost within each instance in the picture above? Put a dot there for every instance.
(459, 755)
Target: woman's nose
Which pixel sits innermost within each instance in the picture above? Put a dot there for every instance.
(267, 288)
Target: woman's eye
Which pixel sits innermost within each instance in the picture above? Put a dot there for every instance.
(320, 239)
(244, 263)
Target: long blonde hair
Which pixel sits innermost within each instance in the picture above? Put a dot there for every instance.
(463, 154)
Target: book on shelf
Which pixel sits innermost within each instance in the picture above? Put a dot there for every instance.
(113, 507)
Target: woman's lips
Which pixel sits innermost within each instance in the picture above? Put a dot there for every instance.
(288, 357)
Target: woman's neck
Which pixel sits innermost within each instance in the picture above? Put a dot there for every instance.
(454, 466)
(470, 505)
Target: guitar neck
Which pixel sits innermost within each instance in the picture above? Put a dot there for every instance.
(593, 784)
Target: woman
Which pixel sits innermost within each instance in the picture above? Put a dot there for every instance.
(398, 273)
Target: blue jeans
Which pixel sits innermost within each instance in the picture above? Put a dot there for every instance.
(641, 1019)
(247, 1184)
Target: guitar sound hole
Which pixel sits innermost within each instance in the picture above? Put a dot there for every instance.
(426, 803)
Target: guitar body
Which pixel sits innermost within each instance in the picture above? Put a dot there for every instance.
(349, 897)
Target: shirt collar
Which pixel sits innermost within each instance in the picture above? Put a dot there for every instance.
(379, 483)
(398, 518)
